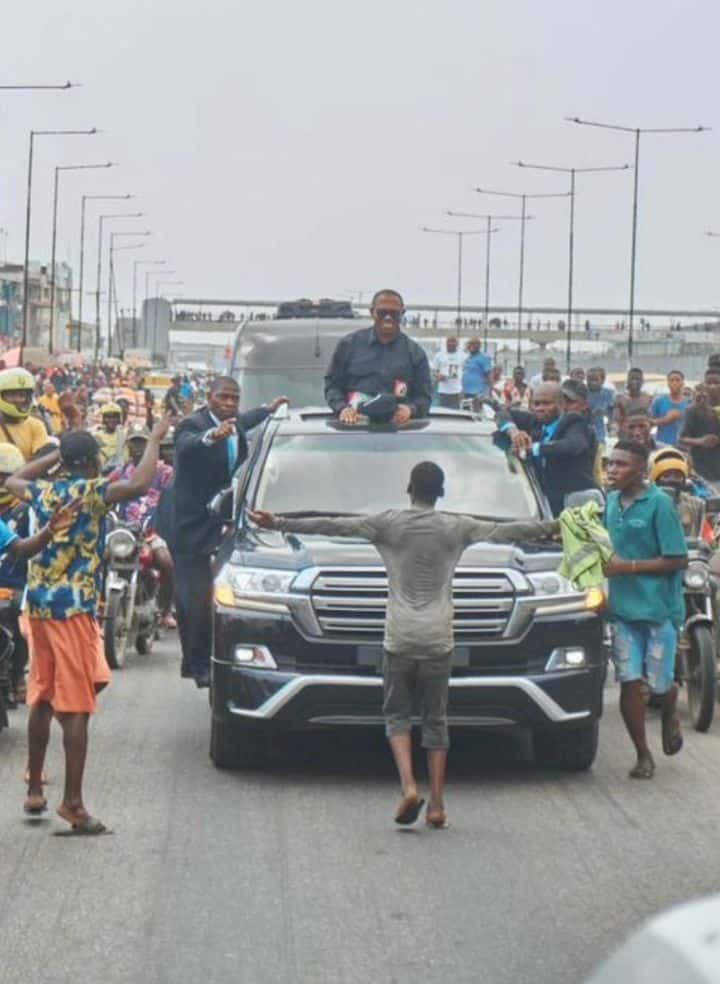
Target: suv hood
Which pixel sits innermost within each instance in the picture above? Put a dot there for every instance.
(295, 551)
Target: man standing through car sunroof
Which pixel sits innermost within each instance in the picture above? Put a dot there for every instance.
(379, 373)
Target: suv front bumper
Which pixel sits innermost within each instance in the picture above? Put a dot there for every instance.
(502, 693)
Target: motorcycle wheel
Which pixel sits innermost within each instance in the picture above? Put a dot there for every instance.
(115, 631)
(701, 677)
(144, 643)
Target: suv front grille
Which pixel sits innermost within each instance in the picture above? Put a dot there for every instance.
(351, 602)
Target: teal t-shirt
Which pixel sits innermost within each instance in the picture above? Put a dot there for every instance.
(649, 527)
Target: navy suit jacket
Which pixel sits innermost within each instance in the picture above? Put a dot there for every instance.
(201, 471)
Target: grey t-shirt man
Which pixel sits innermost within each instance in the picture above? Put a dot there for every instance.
(420, 548)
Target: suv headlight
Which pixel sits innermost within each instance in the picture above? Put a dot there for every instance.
(696, 577)
(549, 583)
(260, 588)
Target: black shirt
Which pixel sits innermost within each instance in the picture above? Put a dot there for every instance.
(362, 363)
(698, 423)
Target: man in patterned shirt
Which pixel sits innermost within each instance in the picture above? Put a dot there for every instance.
(63, 587)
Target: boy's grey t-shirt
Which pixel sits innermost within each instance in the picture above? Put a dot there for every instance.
(420, 548)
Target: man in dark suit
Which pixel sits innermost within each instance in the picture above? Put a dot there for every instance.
(209, 445)
(558, 438)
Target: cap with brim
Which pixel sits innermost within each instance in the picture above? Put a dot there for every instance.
(78, 447)
(110, 408)
(138, 433)
(573, 390)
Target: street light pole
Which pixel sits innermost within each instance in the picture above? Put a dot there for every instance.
(633, 249)
(87, 198)
(68, 167)
(28, 215)
(524, 218)
(572, 171)
(111, 273)
(136, 264)
(15, 88)
(460, 233)
(489, 218)
(101, 220)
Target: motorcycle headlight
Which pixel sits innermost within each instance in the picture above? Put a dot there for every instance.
(121, 544)
(696, 577)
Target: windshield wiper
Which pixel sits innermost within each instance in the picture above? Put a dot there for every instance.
(312, 513)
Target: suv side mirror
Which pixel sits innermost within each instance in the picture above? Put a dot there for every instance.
(221, 505)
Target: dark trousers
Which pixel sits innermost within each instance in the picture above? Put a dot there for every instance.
(194, 609)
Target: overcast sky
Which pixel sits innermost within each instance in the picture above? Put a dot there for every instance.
(285, 149)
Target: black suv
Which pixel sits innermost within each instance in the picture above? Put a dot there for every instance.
(299, 619)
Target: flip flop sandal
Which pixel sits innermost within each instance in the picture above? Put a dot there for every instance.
(409, 810)
(643, 770)
(34, 807)
(89, 827)
(672, 739)
(437, 822)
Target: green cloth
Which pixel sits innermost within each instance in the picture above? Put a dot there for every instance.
(586, 546)
(649, 527)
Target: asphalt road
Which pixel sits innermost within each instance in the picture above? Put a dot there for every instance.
(297, 874)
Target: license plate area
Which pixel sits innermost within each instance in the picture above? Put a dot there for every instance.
(371, 657)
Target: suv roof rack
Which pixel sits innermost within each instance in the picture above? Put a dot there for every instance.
(324, 308)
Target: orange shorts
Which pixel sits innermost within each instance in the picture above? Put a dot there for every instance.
(67, 663)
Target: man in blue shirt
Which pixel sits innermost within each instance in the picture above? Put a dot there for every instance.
(476, 373)
(645, 601)
(668, 410)
(601, 401)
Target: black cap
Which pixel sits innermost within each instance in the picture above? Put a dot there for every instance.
(78, 448)
(380, 408)
(573, 389)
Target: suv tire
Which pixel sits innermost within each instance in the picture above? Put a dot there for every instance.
(571, 749)
(233, 746)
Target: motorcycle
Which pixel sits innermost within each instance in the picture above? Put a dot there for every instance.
(131, 613)
(696, 658)
(10, 600)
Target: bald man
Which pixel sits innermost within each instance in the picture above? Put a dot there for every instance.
(557, 436)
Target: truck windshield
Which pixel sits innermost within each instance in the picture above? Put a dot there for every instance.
(368, 472)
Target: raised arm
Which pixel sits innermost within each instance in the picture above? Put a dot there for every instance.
(145, 471)
(366, 527)
(481, 531)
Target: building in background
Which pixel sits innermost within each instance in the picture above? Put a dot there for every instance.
(39, 284)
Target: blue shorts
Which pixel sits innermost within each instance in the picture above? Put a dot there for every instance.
(644, 650)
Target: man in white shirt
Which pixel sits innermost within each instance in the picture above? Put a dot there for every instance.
(447, 367)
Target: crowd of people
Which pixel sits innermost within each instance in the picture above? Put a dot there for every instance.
(76, 443)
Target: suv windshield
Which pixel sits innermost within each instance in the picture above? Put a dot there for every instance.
(368, 472)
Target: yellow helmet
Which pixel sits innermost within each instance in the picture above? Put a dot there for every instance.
(15, 379)
(110, 407)
(665, 463)
(10, 459)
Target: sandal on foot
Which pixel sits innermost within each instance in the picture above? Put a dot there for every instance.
(35, 806)
(642, 770)
(437, 821)
(409, 810)
(87, 827)
(672, 739)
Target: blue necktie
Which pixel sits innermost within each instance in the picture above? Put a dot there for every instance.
(232, 453)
